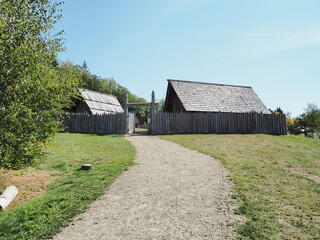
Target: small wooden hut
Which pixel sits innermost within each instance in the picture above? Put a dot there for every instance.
(138, 121)
(92, 102)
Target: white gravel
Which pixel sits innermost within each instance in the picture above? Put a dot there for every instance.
(171, 193)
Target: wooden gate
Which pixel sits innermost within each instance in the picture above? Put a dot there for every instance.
(130, 123)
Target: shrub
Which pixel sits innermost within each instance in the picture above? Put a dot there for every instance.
(33, 91)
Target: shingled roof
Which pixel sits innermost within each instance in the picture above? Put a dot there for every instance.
(100, 103)
(211, 97)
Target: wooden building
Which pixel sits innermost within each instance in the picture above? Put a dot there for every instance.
(92, 102)
(138, 121)
(188, 96)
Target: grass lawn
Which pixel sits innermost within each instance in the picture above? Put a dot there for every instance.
(276, 180)
(72, 189)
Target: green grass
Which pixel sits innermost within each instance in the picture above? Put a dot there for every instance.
(276, 180)
(74, 189)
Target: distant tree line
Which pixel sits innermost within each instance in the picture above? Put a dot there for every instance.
(104, 85)
(109, 86)
(307, 123)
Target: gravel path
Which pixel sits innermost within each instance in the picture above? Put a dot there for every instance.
(171, 193)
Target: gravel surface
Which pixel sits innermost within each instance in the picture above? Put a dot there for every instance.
(171, 193)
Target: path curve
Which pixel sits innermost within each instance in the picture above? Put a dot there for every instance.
(171, 193)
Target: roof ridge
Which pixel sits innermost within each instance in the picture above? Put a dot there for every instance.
(100, 109)
(218, 84)
(112, 104)
(83, 89)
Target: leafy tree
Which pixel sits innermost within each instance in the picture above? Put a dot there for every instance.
(91, 81)
(310, 119)
(278, 111)
(105, 85)
(160, 105)
(33, 86)
(293, 126)
(308, 122)
(109, 86)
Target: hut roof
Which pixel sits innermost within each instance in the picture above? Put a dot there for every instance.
(211, 97)
(100, 103)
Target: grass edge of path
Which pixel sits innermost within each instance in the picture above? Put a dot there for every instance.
(256, 160)
(73, 190)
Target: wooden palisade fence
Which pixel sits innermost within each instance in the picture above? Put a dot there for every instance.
(178, 123)
(217, 123)
(96, 124)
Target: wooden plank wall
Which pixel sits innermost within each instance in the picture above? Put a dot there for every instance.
(95, 124)
(218, 123)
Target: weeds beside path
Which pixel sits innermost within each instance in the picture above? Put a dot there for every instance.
(73, 189)
(276, 178)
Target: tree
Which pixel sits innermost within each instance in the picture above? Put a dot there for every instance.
(109, 86)
(105, 85)
(160, 105)
(310, 119)
(32, 87)
(278, 111)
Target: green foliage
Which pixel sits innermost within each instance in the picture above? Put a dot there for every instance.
(160, 105)
(105, 85)
(276, 180)
(310, 119)
(293, 126)
(31, 87)
(278, 111)
(307, 123)
(109, 86)
(70, 194)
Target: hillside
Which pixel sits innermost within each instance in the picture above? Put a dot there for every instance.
(276, 181)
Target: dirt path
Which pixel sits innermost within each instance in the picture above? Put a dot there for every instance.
(171, 193)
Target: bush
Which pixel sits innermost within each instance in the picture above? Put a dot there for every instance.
(310, 120)
(33, 91)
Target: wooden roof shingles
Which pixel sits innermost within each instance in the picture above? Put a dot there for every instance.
(100, 103)
(211, 97)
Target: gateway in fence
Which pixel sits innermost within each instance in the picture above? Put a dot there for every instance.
(102, 114)
(225, 109)
(138, 121)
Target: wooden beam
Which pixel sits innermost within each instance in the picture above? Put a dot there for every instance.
(7, 196)
(139, 104)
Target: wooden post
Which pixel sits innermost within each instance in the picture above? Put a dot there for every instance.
(126, 113)
(285, 125)
(153, 111)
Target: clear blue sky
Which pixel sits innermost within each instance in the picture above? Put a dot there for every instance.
(273, 46)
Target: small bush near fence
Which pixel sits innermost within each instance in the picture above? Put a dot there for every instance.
(215, 123)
